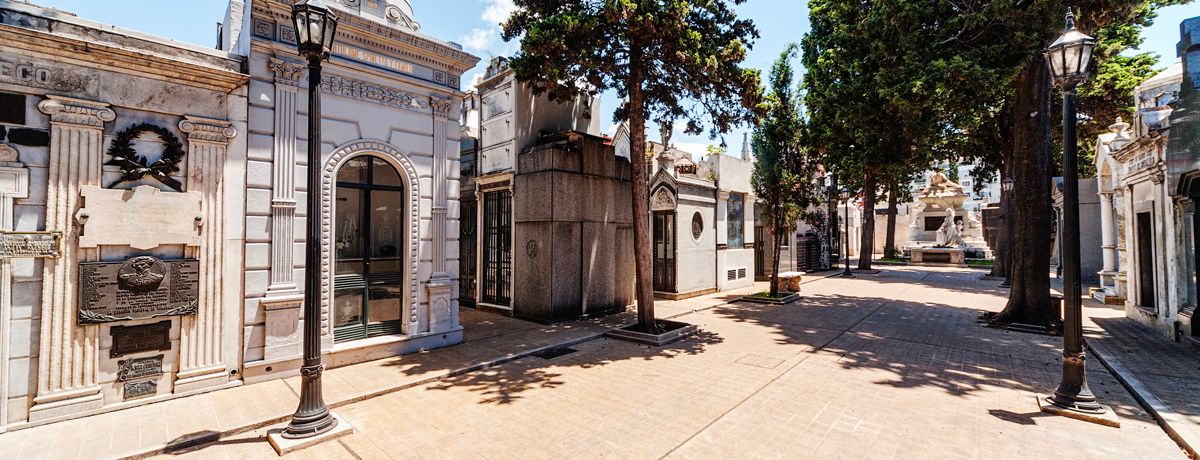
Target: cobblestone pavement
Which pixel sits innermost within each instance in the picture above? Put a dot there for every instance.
(884, 366)
(1167, 370)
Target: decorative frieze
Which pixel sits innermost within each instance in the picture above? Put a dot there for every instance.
(370, 92)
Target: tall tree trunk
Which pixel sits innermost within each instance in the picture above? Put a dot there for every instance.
(867, 247)
(777, 238)
(641, 202)
(889, 245)
(1028, 158)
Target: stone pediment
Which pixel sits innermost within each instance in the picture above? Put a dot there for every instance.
(143, 218)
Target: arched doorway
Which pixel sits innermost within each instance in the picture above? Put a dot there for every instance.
(369, 249)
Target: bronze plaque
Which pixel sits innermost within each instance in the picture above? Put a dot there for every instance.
(30, 244)
(136, 368)
(136, 339)
(139, 288)
(134, 390)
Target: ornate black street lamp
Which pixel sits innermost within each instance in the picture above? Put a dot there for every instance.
(1068, 59)
(315, 27)
(1006, 187)
(845, 196)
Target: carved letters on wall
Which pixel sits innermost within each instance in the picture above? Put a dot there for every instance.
(34, 75)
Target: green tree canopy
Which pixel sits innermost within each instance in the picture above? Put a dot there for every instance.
(671, 60)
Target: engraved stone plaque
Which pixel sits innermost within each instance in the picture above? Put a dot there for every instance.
(143, 218)
(136, 368)
(136, 339)
(30, 244)
(135, 390)
(139, 288)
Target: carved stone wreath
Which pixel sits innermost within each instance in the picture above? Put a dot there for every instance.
(134, 166)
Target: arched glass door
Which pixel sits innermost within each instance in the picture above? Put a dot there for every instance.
(369, 247)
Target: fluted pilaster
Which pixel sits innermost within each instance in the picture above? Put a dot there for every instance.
(67, 358)
(283, 192)
(200, 352)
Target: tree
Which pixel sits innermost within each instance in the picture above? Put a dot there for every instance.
(668, 59)
(883, 75)
(784, 174)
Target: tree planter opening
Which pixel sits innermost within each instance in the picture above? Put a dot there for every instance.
(765, 298)
(669, 331)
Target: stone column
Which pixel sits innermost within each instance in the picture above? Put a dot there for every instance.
(14, 183)
(442, 315)
(200, 357)
(67, 353)
(281, 305)
(1108, 240)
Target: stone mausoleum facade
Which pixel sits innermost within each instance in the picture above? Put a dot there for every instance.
(152, 198)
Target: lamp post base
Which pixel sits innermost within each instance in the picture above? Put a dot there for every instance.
(1088, 413)
(284, 445)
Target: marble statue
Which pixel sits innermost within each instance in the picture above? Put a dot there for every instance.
(950, 233)
(939, 184)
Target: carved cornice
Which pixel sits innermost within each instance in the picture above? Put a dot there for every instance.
(370, 92)
(207, 130)
(79, 112)
(286, 73)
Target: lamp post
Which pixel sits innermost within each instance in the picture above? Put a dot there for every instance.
(845, 196)
(1068, 59)
(315, 27)
(1006, 187)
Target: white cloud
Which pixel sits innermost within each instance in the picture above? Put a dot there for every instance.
(498, 11)
(479, 39)
(697, 149)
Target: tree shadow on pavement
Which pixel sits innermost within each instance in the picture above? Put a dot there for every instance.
(505, 383)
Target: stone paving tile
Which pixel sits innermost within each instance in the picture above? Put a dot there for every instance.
(849, 385)
(1169, 370)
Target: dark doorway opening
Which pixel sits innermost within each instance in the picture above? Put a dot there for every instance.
(664, 251)
(468, 251)
(1145, 248)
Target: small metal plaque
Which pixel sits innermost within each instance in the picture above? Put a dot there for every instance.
(139, 288)
(135, 390)
(136, 368)
(30, 244)
(136, 339)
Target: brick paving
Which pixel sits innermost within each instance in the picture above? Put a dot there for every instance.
(884, 366)
(1168, 372)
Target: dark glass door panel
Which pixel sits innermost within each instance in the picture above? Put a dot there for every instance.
(369, 248)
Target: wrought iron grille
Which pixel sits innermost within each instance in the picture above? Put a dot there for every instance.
(497, 248)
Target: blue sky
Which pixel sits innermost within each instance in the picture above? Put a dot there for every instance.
(473, 23)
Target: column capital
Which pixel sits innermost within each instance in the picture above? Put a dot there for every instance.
(207, 130)
(286, 72)
(80, 112)
(441, 107)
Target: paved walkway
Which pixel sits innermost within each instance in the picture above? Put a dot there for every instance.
(153, 428)
(1164, 374)
(884, 366)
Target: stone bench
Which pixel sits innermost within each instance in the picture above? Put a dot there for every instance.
(790, 281)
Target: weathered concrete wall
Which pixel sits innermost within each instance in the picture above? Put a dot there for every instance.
(572, 226)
